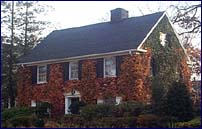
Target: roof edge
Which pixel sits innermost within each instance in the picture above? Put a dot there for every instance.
(90, 56)
(152, 29)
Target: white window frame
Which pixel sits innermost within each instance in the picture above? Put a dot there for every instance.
(70, 64)
(162, 38)
(118, 100)
(100, 101)
(33, 103)
(40, 82)
(105, 68)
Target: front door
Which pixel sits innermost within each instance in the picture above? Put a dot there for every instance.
(74, 100)
(68, 101)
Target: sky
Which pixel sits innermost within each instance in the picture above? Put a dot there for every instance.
(68, 14)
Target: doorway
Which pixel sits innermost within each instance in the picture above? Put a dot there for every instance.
(70, 100)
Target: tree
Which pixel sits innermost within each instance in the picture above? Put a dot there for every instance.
(187, 17)
(21, 32)
(179, 102)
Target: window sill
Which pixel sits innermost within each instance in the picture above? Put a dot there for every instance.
(110, 76)
(74, 79)
(42, 82)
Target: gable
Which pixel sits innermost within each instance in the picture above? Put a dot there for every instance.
(163, 26)
(93, 39)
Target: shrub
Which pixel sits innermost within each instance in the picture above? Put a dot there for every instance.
(179, 103)
(149, 121)
(73, 120)
(197, 110)
(39, 123)
(118, 122)
(25, 121)
(128, 109)
(42, 109)
(15, 112)
(96, 111)
(194, 123)
(75, 107)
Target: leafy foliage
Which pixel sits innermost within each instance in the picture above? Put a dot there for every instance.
(194, 123)
(179, 103)
(18, 117)
(13, 112)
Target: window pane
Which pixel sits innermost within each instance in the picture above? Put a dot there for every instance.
(42, 73)
(42, 69)
(110, 66)
(73, 70)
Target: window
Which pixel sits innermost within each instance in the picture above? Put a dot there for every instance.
(33, 103)
(41, 74)
(163, 38)
(110, 67)
(73, 70)
(118, 100)
(100, 101)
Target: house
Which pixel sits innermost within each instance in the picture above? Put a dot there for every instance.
(107, 62)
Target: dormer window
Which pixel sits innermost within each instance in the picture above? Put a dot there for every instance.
(162, 38)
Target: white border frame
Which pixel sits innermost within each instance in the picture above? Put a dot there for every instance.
(70, 63)
(38, 74)
(104, 67)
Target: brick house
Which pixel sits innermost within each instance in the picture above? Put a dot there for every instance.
(86, 63)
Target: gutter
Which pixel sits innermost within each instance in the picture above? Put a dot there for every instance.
(90, 56)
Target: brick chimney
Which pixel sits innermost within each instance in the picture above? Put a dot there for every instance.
(118, 15)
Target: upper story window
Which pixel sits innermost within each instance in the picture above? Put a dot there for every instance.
(42, 74)
(110, 67)
(162, 38)
(73, 70)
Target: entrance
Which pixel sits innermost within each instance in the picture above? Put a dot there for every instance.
(71, 97)
(68, 101)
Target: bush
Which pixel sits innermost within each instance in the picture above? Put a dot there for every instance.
(25, 121)
(15, 112)
(39, 123)
(128, 109)
(79, 121)
(41, 109)
(179, 103)
(96, 111)
(149, 121)
(75, 107)
(118, 122)
(194, 123)
(197, 110)
(9, 116)
(73, 120)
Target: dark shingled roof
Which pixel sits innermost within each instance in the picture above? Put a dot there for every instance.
(93, 39)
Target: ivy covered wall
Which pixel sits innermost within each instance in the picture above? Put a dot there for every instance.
(168, 62)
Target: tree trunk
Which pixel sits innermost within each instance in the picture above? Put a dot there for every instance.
(26, 24)
(10, 88)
